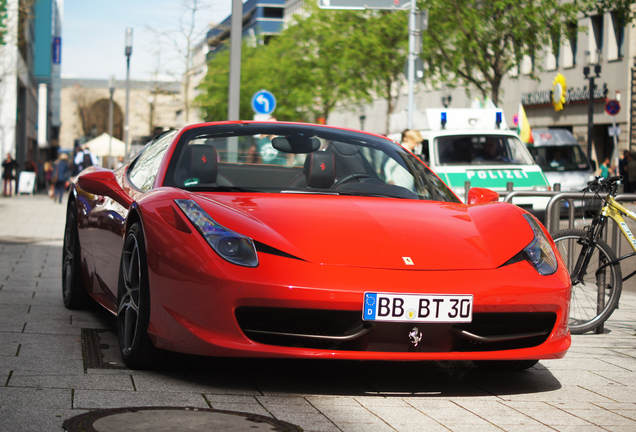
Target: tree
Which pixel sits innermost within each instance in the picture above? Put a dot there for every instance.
(384, 47)
(317, 62)
(180, 43)
(478, 43)
(213, 99)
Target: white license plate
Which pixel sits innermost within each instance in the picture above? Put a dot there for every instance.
(417, 307)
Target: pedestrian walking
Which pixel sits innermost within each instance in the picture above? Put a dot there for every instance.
(48, 178)
(9, 167)
(85, 158)
(606, 169)
(61, 177)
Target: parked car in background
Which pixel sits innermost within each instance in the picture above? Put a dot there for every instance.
(561, 158)
(273, 239)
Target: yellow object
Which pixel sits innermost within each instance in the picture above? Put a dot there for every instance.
(558, 93)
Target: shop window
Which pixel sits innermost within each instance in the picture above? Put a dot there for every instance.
(595, 38)
(616, 42)
(270, 12)
(552, 59)
(570, 45)
(527, 65)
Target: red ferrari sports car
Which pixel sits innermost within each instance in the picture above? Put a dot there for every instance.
(274, 239)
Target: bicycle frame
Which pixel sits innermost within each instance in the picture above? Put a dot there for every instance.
(613, 210)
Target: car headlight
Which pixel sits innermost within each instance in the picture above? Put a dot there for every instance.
(539, 253)
(231, 246)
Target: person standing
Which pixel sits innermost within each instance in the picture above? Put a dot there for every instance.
(623, 162)
(605, 168)
(9, 166)
(61, 175)
(412, 141)
(85, 158)
(394, 172)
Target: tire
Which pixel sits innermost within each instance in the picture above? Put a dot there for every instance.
(74, 291)
(133, 304)
(586, 312)
(505, 365)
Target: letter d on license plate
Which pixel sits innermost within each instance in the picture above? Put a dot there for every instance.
(418, 308)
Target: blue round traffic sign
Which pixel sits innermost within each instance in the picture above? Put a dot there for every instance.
(612, 107)
(263, 102)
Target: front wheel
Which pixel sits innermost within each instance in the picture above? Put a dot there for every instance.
(133, 299)
(595, 293)
(73, 289)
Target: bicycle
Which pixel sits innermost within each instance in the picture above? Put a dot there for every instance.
(595, 271)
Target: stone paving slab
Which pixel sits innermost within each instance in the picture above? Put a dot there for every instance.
(44, 381)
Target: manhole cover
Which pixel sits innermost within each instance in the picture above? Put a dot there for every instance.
(164, 419)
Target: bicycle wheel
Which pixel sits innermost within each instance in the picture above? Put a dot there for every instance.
(596, 296)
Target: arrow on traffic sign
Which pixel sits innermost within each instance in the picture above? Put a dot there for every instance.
(262, 100)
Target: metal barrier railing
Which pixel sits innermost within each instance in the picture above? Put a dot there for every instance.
(553, 209)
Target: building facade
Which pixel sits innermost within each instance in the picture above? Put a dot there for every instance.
(47, 68)
(18, 87)
(261, 20)
(154, 106)
(605, 43)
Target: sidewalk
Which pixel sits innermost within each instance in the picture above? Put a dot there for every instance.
(48, 373)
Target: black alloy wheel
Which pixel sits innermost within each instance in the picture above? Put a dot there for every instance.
(73, 288)
(133, 304)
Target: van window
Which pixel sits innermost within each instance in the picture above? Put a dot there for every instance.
(481, 150)
(560, 158)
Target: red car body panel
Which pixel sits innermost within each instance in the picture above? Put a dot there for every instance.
(454, 249)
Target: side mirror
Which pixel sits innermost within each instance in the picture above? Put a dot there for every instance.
(479, 195)
(100, 181)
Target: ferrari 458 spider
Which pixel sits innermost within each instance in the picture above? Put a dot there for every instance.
(273, 239)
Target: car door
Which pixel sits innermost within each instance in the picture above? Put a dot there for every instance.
(110, 217)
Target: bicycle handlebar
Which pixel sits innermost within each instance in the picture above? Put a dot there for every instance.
(599, 184)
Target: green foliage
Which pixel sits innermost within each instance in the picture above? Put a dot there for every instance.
(342, 57)
(329, 57)
(3, 21)
(622, 8)
(476, 42)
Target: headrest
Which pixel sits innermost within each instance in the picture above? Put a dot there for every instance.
(320, 169)
(203, 163)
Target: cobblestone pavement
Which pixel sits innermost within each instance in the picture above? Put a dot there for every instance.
(47, 377)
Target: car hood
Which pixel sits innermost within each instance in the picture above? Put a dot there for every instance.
(375, 232)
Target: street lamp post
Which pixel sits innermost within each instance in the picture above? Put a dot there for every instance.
(590, 110)
(111, 88)
(151, 123)
(129, 32)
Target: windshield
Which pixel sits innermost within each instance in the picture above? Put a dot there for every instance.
(560, 158)
(292, 158)
(481, 150)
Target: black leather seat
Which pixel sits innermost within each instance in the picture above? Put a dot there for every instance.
(201, 163)
(318, 172)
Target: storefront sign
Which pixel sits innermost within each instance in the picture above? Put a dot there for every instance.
(572, 95)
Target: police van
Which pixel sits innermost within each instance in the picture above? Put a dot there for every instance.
(475, 145)
(561, 158)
